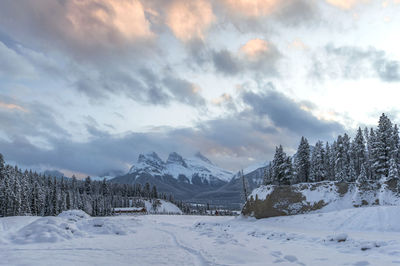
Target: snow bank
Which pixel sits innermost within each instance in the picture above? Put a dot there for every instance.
(66, 226)
(46, 229)
(363, 219)
(74, 215)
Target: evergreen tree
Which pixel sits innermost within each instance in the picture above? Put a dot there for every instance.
(384, 146)
(373, 155)
(147, 190)
(393, 171)
(358, 151)
(318, 171)
(362, 177)
(245, 186)
(88, 186)
(154, 193)
(2, 167)
(396, 145)
(303, 161)
(340, 165)
(281, 167)
(329, 162)
(54, 199)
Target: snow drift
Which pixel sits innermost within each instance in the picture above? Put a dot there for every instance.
(68, 225)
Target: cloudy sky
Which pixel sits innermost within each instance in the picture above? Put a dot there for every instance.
(87, 85)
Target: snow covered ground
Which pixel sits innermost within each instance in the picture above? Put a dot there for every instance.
(360, 236)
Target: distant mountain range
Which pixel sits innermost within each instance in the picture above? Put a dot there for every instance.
(194, 179)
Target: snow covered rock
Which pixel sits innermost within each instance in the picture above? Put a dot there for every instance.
(270, 201)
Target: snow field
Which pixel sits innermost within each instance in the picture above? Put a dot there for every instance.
(358, 236)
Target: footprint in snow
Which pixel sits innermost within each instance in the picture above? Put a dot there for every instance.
(287, 258)
(290, 258)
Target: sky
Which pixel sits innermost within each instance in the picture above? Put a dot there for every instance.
(88, 85)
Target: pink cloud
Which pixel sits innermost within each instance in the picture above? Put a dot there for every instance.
(190, 19)
(101, 19)
(253, 8)
(254, 48)
(346, 4)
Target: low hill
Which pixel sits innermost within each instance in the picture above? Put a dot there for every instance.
(272, 200)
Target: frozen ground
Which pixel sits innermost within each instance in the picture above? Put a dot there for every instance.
(364, 236)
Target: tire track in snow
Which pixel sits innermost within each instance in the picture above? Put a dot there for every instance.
(196, 253)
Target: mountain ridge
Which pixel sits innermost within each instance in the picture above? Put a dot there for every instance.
(193, 179)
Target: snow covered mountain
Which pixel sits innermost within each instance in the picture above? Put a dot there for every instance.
(197, 169)
(194, 179)
(184, 178)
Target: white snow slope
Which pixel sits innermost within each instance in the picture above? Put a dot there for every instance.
(361, 236)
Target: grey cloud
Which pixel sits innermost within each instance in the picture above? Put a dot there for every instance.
(266, 64)
(286, 113)
(387, 70)
(351, 62)
(231, 64)
(13, 65)
(184, 91)
(142, 86)
(294, 13)
(225, 62)
(228, 141)
(232, 141)
(297, 13)
(34, 120)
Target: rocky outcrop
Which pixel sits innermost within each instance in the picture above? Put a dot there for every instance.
(271, 200)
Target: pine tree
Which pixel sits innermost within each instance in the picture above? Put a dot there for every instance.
(281, 167)
(147, 190)
(154, 193)
(358, 151)
(352, 175)
(373, 155)
(329, 162)
(245, 186)
(16, 199)
(362, 177)
(318, 171)
(340, 165)
(396, 145)
(2, 167)
(88, 186)
(384, 146)
(393, 172)
(302, 161)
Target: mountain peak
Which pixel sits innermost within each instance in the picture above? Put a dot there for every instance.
(151, 156)
(175, 158)
(203, 158)
(195, 169)
(149, 161)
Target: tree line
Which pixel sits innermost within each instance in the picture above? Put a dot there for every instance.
(30, 193)
(373, 154)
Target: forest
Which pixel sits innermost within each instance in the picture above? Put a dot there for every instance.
(30, 193)
(373, 154)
